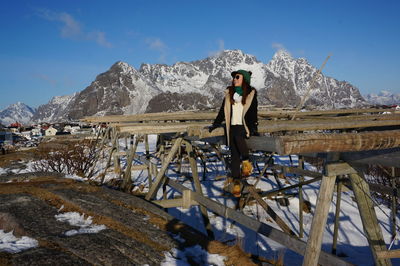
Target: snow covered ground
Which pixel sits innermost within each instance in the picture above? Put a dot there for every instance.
(352, 243)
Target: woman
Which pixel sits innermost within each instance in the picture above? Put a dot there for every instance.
(239, 110)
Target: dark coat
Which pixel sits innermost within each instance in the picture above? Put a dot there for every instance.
(250, 119)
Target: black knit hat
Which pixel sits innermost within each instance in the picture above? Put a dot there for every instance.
(246, 75)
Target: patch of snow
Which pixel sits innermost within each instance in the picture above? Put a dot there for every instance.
(79, 220)
(11, 244)
(76, 177)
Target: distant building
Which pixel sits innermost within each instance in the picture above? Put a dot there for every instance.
(51, 131)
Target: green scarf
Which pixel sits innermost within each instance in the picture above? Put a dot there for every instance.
(239, 90)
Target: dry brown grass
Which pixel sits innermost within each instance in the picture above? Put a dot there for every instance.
(12, 157)
(33, 188)
(234, 254)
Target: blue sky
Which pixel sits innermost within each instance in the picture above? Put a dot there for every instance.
(51, 48)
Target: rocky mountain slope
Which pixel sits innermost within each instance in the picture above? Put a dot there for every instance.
(199, 85)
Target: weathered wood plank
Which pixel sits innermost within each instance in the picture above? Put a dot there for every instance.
(314, 242)
(336, 142)
(128, 171)
(388, 254)
(156, 185)
(271, 212)
(197, 185)
(187, 115)
(369, 219)
(337, 214)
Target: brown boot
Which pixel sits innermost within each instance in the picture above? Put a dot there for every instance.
(247, 168)
(236, 188)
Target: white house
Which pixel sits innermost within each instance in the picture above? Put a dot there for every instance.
(26, 134)
(51, 131)
(36, 132)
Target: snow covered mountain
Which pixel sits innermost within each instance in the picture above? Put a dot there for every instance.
(199, 85)
(17, 112)
(54, 110)
(383, 98)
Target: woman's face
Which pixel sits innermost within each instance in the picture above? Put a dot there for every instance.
(238, 80)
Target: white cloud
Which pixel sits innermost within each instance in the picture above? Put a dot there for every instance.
(221, 48)
(279, 46)
(46, 78)
(100, 38)
(72, 29)
(157, 45)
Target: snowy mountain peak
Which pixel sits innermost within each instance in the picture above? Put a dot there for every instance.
(384, 97)
(122, 67)
(17, 112)
(282, 54)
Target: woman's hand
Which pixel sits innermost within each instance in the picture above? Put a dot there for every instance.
(212, 127)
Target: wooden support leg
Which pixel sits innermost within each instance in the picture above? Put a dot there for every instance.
(271, 212)
(394, 204)
(313, 248)
(197, 185)
(147, 148)
(337, 216)
(160, 175)
(372, 229)
(301, 201)
(113, 147)
(117, 165)
(128, 173)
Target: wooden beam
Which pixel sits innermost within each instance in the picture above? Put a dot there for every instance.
(278, 220)
(388, 254)
(318, 224)
(173, 203)
(369, 219)
(335, 142)
(199, 115)
(197, 185)
(271, 193)
(128, 172)
(156, 185)
(337, 214)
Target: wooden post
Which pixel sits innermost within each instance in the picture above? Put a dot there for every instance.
(301, 201)
(148, 163)
(313, 248)
(117, 165)
(337, 215)
(394, 204)
(197, 186)
(160, 175)
(372, 229)
(128, 172)
(113, 147)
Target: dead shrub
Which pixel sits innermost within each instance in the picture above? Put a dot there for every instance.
(68, 157)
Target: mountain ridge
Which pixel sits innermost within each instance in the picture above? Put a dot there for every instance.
(199, 85)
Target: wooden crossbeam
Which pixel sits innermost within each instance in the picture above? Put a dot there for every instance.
(335, 142)
(271, 212)
(199, 115)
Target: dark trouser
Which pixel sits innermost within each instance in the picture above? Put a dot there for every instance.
(239, 150)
